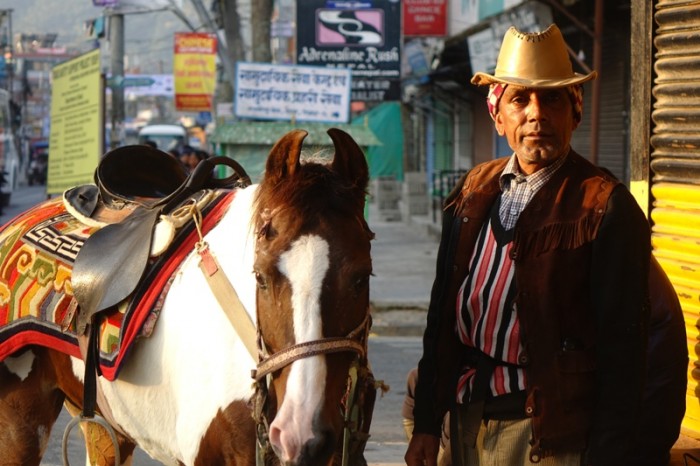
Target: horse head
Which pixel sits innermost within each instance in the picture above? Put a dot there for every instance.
(312, 266)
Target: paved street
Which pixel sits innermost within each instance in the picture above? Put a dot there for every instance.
(391, 358)
(403, 261)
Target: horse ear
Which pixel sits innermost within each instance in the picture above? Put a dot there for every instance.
(349, 159)
(284, 158)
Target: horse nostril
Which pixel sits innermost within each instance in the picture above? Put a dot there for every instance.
(285, 449)
(319, 449)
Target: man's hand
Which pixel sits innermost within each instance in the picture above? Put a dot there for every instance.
(422, 450)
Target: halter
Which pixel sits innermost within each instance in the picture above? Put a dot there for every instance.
(359, 376)
(355, 341)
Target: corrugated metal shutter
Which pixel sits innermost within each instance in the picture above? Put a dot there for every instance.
(675, 162)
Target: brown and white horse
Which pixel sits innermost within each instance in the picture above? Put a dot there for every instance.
(296, 249)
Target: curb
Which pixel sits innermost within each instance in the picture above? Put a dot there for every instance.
(398, 320)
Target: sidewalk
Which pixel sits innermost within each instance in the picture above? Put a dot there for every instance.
(403, 255)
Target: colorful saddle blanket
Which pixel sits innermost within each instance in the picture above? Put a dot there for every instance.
(37, 251)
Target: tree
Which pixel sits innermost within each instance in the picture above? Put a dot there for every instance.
(227, 18)
(261, 14)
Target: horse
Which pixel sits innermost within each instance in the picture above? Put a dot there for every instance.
(294, 251)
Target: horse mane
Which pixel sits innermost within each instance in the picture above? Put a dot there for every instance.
(311, 192)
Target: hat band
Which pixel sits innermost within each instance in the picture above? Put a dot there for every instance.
(496, 91)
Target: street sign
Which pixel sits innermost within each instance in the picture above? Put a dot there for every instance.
(130, 81)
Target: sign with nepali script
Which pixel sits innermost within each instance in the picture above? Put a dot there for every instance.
(194, 71)
(286, 92)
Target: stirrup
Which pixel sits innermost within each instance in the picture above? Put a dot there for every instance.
(97, 420)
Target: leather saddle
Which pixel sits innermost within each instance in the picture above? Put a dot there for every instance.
(135, 184)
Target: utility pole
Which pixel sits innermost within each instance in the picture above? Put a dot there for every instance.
(261, 15)
(116, 40)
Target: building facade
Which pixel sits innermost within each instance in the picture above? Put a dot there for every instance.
(450, 129)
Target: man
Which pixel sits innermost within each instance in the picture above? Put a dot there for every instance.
(537, 328)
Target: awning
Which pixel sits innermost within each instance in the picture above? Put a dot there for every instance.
(267, 133)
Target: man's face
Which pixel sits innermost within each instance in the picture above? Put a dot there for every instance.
(537, 123)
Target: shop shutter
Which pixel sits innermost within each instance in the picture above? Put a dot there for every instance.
(675, 164)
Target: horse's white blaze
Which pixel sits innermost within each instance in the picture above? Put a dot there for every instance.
(193, 364)
(305, 265)
(20, 365)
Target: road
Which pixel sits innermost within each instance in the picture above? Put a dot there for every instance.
(391, 357)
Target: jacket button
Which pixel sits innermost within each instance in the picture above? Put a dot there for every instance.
(523, 359)
(513, 254)
(465, 219)
(529, 410)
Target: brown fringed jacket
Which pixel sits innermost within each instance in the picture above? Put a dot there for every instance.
(581, 254)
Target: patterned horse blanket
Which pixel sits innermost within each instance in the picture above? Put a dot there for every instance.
(37, 252)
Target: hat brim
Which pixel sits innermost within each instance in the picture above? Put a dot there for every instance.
(484, 79)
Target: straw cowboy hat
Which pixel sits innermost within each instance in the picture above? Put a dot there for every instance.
(536, 60)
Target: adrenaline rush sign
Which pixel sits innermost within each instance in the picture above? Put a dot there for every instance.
(363, 36)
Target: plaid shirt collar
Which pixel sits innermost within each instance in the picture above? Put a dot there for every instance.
(534, 181)
(517, 189)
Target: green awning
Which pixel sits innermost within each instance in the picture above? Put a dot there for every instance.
(267, 133)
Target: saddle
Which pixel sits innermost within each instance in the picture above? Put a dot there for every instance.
(134, 186)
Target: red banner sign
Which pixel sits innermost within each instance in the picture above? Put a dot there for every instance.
(425, 17)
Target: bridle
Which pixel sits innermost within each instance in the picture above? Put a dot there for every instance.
(355, 341)
(359, 375)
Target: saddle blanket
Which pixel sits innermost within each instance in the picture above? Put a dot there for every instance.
(37, 252)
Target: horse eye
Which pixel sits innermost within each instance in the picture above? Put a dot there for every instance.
(361, 284)
(260, 279)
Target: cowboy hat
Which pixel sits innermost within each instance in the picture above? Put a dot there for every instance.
(535, 60)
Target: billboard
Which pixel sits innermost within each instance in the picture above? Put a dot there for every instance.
(77, 128)
(284, 92)
(194, 71)
(362, 36)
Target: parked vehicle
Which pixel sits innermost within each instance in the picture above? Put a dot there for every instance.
(166, 137)
(38, 162)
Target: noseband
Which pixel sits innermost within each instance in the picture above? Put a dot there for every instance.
(355, 341)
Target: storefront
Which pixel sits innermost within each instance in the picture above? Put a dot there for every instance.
(450, 129)
(665, 148)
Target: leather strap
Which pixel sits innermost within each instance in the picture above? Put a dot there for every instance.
(228, 299)
(91, 368)
(93, 396)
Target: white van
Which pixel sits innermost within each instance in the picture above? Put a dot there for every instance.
(166, 137)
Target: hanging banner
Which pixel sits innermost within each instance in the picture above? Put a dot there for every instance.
(425, 18)
(194, 71)
(363, 36)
